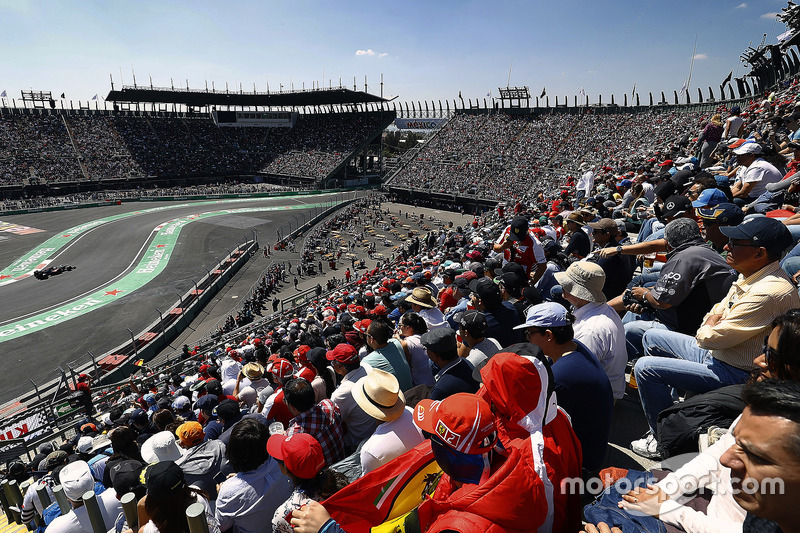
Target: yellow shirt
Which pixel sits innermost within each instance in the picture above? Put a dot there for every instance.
(747, 311)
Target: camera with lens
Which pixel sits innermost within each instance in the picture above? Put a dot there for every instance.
(628, 299)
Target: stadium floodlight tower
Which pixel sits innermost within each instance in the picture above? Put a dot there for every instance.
(514, 96)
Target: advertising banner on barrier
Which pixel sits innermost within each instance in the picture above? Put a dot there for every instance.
(25, 428)
(418, 123)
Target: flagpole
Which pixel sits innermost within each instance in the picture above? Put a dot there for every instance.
(508, 83)
(691, 65)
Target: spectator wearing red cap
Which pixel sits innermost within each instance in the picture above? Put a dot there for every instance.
(321, 420)
(307, 371)
(484, 488)
(302, 460)
(274, 407)
(359, 425)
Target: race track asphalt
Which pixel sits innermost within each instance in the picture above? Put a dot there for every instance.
(103, 254)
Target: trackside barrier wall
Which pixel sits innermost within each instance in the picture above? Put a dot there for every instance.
(113, 200)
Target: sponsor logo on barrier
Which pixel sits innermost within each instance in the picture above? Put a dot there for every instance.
(427, 124)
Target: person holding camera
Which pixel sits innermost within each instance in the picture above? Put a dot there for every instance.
(694, 278)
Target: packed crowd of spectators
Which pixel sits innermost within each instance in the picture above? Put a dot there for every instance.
(50, 148)
(317, 144)
(500, 157)
(500, 349)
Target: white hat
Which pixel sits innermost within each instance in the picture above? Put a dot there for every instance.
(161, 447)
(379, 395)
(748, 148)
(77, 480)
(584, 280)
(84, 445)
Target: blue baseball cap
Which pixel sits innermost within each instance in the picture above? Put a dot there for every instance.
(765, 232)
(724, 214)
(710, 197)
(545, 315)
(207, 402)
(625, 183)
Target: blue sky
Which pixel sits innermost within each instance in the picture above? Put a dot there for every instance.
(425, 50)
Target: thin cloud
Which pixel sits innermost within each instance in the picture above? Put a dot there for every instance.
(701, 56)
(370, 52)
(741, 6)
(770, 16)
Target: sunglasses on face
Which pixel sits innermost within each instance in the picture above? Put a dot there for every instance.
(732, 244)
(770, 354)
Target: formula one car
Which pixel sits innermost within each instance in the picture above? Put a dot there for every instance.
(52, 271)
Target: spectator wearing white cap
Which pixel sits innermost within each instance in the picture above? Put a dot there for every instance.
(77, 480)
(161, 447)
(757, 175)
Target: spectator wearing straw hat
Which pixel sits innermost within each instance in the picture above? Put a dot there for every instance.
(76, 480)
(423, 303)
(378, 394)
(252, 374)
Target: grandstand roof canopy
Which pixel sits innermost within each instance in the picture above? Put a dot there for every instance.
(311, 97)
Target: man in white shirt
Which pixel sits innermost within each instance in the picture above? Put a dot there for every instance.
(756, 176)
(596, 325)
(379, 395)
(76, 479)
(359, 424)
(585, 182)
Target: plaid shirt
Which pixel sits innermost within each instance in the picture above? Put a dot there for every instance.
(324, 422)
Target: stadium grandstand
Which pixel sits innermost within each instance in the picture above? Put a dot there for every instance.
(561, 318)
(48, 151)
